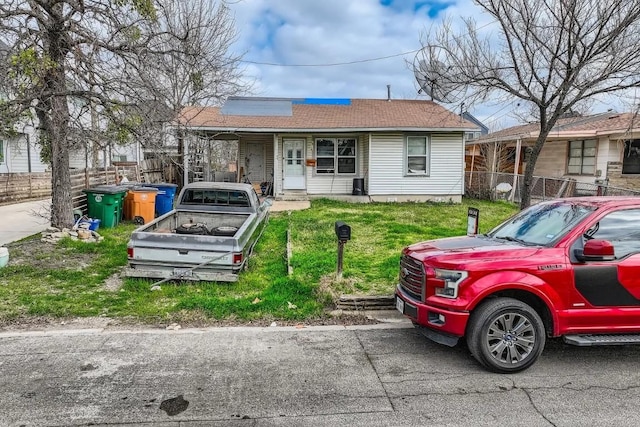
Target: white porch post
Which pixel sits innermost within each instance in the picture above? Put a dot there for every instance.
(277, 170)
(516, 167)
(185, 160)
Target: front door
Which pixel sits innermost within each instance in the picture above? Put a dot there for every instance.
(254, 162)
(293, 178)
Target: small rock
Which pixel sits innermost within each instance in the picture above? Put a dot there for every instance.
(84, 234)
(57, 235)
(273, 324)
(52, 229)
(156, 288)
(173, 327)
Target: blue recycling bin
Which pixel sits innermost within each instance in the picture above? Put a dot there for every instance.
(164, 197)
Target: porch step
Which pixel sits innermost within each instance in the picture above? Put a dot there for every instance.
(602, 339)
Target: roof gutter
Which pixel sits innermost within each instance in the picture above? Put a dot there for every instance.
(325, 130)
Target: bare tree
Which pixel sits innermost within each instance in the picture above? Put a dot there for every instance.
(99, 68)
(555, 55)
(196, 70)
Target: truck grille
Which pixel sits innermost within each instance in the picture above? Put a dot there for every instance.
(412, 277)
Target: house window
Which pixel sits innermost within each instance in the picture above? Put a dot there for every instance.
(1, 151)
(336, 156)
(631, 158)
(417, 155)
(119, 158)
(469, 136)
(582, 157)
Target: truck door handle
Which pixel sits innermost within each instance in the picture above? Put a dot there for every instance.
(183, 251)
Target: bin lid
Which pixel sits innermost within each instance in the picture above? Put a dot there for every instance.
(106, 189)
(144, 189)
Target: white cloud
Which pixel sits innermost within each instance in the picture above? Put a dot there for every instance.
(325, 32)
(322, 32)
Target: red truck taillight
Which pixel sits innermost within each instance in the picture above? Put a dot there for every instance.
(237, 258)
(130, 252)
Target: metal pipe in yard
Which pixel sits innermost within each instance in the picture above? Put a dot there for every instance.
(340, 254)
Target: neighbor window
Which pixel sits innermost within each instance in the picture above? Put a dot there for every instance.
(1, 151)
(336, 156)
(582, 158)
(631, 157)
(417, 155)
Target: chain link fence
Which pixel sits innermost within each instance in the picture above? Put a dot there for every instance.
(507, 186)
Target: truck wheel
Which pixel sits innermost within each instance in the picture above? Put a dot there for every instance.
(505, 335)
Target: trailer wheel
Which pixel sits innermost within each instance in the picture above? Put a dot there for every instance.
(505, 335)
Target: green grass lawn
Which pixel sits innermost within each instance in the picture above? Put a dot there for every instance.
(73, 278)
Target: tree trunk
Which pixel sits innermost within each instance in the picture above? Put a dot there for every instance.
(58, 133)
(525, 191)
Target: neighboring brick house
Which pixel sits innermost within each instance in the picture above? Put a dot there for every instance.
(588, 149)
(396, 150)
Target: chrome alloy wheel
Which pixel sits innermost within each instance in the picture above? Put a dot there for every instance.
(510, 338)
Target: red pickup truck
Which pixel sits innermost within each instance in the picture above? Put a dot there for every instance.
(567, 267)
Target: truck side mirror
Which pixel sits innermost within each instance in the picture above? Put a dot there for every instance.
(343, 231)
(596, 250)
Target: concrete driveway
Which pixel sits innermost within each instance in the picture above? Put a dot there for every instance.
(22, 220)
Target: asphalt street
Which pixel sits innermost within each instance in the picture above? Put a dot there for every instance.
(379, 375)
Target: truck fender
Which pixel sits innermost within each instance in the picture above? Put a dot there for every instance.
(516, 280)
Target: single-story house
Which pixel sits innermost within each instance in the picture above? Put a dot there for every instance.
(388, 149)
(587, 149)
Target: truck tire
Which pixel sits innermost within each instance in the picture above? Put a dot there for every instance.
(505, 335)
(191, 228)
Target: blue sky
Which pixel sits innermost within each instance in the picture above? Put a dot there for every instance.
(329, 48)
(305, 38)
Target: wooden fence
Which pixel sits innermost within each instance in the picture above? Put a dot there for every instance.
(18, 187)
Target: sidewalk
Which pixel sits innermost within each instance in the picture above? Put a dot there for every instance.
(22, 220)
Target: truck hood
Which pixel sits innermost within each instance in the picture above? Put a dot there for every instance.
(468, 249)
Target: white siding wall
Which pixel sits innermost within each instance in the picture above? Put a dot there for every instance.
(77, 158)
(387, 174)
(608, 151)
(334, 184)
(18, 156)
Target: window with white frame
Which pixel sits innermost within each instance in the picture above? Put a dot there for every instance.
(336, 156)
(418, 155)
(582, 158)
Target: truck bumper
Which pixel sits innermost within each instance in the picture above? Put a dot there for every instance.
(172, 273)
(448, 323)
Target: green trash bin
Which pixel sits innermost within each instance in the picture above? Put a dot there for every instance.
(105, 202)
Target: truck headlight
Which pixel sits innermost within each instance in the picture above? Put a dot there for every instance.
(450, 280)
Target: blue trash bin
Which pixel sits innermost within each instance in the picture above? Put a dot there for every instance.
(164, 197)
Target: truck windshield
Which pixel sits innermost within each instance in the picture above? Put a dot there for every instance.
(542, 224)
